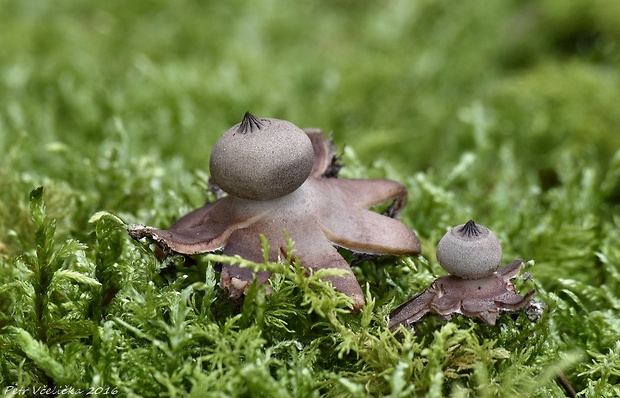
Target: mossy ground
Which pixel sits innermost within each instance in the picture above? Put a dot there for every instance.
(505, 112)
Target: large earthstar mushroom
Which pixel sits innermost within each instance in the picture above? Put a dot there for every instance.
(281, 178)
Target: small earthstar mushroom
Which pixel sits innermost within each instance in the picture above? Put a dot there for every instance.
(476, 288)
(280, 179)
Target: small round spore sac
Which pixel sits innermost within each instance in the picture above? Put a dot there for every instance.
(469, 251)
(261, 158)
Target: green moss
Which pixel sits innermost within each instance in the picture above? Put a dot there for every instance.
(504, 113)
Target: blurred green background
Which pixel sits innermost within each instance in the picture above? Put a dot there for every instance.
(113, 104)
(392, 79)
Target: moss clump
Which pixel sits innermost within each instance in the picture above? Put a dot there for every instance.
(501, 112)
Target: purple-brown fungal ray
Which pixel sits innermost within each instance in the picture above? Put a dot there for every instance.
(322, 213)
(483, 298)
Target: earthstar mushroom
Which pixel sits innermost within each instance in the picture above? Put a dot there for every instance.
(475, 288)
(317, 210)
